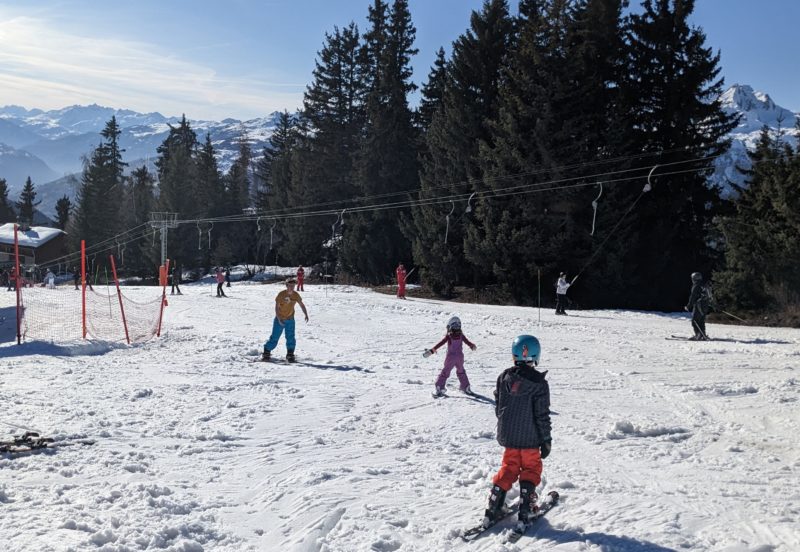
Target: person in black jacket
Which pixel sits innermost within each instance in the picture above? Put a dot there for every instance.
(698, 305)
(177, 273)
(522, 399)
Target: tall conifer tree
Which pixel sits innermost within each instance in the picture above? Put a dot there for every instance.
(63, 211)
(97, 213)
(332, 118)
(673, 101)
(177, 177)
(26, 206)
(450, 156)
(373, 243)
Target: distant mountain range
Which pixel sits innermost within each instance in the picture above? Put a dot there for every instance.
(49, 146)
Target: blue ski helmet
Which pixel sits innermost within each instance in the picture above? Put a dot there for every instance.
(526, 348)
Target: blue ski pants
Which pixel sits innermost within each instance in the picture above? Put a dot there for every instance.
(277, 330)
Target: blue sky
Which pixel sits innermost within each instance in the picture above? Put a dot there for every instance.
(247, 58)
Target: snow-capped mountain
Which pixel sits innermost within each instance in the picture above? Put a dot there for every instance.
(757, 110)
(50, 144)
(56, 141)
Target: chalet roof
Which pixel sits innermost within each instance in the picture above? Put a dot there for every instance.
(34, 237)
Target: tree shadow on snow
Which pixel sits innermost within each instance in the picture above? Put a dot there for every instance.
(610, 542)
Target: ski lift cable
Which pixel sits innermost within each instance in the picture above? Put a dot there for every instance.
(102, 244)
(498, 178)
(511, 191)
(506, 192)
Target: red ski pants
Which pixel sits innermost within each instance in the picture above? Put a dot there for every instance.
(522, 464)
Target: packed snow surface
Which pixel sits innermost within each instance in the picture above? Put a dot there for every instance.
(658, 444)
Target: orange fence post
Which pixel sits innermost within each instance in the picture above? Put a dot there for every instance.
(163, 270)
(17, 285)
(119, 295)
(83, 287)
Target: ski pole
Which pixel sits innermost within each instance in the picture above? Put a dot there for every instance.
(731, 315)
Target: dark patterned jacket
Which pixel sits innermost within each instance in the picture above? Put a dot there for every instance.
(523, 408)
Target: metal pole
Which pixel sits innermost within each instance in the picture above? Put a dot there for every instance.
(539, 270)
(83, 287)
(163, 242)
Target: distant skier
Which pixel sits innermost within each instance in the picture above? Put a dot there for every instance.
(301, 275)
(401, 281)
(699, 305)
(76, 277)
(177, 273)
(50, 280)
(284, 320)
(454, 358)
(561, 292)
(12, 279)
(523, 427)
(220, 277)
(228, 276)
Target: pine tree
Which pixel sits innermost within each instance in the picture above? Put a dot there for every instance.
(536, 133)
(211, 199)
(97, 212)
(237, 183)
(7, 213)
(433, 91)
(450, 158)
(762, 237)
(139, 256)
(177, 176)
(63, 211)
(673, 106)
(373, 242)
(331, 122)
(26, 206)
(274, 171)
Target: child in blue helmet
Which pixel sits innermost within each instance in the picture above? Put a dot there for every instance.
(522, 408)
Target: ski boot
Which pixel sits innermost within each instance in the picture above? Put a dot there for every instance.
(290, 356)
(527, 501)
(497, 499)
(265, 356)
(439, 392)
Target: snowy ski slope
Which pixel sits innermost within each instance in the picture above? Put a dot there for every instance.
(657, 444)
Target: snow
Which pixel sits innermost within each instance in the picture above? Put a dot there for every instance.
(659, 444)
(35, 236)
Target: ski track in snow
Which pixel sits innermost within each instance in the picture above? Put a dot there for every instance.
(658, 445)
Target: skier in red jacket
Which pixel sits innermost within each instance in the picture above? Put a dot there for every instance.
(401, 281)
(301, 274)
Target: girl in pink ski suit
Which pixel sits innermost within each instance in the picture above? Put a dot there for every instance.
(455, 356)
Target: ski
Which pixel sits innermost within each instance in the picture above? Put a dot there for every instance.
(31, 441)
(684, 338)
(478, 397)
(522, 527)
(474, 532)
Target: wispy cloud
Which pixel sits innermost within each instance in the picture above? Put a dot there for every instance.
(42, 66)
